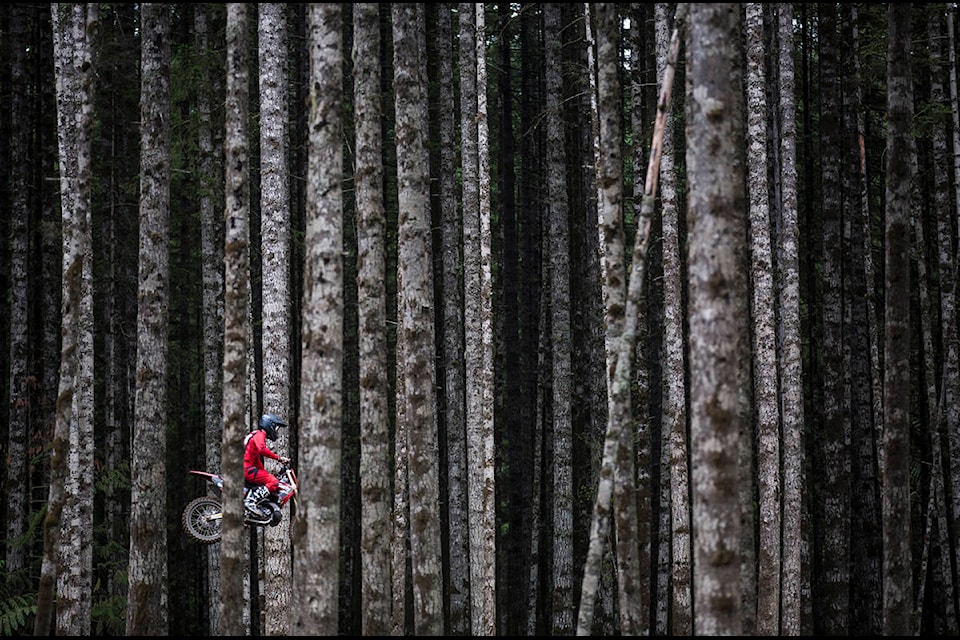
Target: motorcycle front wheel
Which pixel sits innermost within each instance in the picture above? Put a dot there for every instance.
(201, 519)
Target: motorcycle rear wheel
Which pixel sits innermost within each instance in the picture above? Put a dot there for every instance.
(202, 518)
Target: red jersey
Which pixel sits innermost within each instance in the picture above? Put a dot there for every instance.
(256, 448)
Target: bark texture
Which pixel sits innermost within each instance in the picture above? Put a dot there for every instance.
(790, 363)
(276, 303)
(718, 312)
(76, 537)
(211, 243)
(415, 322)
(316, 530)
(19, 391)
(767, 418)
(458, 585)
(371, 272)
(675, 448)
(562, 530)
(951, 371)
(620, 459)
(52, 601)
(832, 453)
(857, 294)
(484, 587)
(642, 424)
(234, 562)
(147, 594)
(901, 171)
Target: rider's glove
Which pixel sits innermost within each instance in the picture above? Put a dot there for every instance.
(284, 460)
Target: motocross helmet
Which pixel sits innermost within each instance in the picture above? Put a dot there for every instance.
(270, 423)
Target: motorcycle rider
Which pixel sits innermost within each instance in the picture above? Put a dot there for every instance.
(255, 449)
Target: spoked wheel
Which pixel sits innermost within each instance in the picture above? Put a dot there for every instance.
(202, 518)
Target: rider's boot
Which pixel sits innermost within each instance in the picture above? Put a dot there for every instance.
(254, 496)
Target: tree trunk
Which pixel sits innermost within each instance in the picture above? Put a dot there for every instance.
(68, 20)
(935, 597)
(52, 252)
(20, 412)
(476, 355)
(610, 185)
(943, 210)
(371, 240)
(415, 322)
(275, 241)
(211, 242)
(647, 358)
(901, 171)
(952, 360)
(234, 560)
(790, 360)
(470, 199)
(562, 382)
(76, 541)
(832, 492)
(458, 584)
(317, 525)
(590, 400)
(865, 493)
(146, 610)
(764, 340)
(718, 313)
(511, 424)
(399, 555)
(484, 590)
(674, 377)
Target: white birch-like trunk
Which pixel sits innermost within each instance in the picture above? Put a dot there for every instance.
(485, 591)
(316, 531)
(458, 586)
(77, 550)
(791, 363)
(147, 599)
(675, 449)
(375, 463)
(416, 323)
(276, 303)
(400, 522)
(51, 600)
(473, 340)
(234, 562)
(718, 313)
(74, 591)
(610, 184)
(767, 416)
(647, 468)
(211, 242)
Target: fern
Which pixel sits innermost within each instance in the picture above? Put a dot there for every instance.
(16, 612)
(110, 481)
(109, 616)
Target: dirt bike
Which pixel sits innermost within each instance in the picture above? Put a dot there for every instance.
(203, 516)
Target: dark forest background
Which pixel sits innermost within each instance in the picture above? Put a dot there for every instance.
(842, 126)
